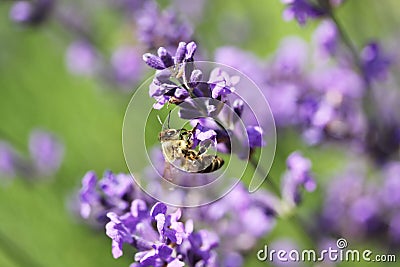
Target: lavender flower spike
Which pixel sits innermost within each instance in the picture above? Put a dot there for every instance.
(180, 53)
(301, 10)
(298, 175)
(153, 61)
(46, 152)
(165, 57)
(374, 62)
(7, 160)
(158, 236)
(255, 134)
(112, 193)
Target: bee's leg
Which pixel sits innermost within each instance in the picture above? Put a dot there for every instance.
(202, 150)
(167, 174)
(183, 133)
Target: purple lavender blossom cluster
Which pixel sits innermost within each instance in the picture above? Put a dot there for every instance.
(364, 208)
(218, 234)
(165, 238)
(329, 90)
(352, 100)
(210, 104)
(112, 193)
(160, 238)
(157, 27)
(45, 156)
(323, 94)
(303, 10)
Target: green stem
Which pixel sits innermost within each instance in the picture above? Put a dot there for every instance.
(347, 41)
(298, 222)
(263, 173)
(368, 99)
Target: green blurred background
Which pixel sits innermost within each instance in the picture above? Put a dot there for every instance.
(36, 90)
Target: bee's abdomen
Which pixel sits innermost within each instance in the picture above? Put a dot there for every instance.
(216, 163)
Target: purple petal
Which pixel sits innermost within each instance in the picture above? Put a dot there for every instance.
(148, 259)
(165, 57)
(181, 94)
(195, 78)
(153, 61)
(238, 106)
(160, 219)
(180, 52)
(161, 101)
(138, 207)
(190, 50)
(164, 251)
(255, 135)
(157, 209)
(176, 263)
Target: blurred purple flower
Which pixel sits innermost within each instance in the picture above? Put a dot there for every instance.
(126, 65)
(161, 28)
(363, 209)
(21, 11)
(390, 190)
(131, 7)
(286, 245)
(298, 175)
(112, 193)
(243, 61)
(357, 208)
(375, 63)
(338, 79)
(291, 58)
(283, 99)
(326, 38)
(46, 152)
(239, 219)
(31, 12)
(394, 228)
(88, 194)
(8, 159)
(81, 58)
(301, 10)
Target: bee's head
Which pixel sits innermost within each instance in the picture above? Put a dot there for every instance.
(169, 134)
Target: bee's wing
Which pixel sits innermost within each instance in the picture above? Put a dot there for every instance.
(204, 146)
(171, 158)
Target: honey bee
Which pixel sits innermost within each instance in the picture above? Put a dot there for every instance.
(176, 147)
